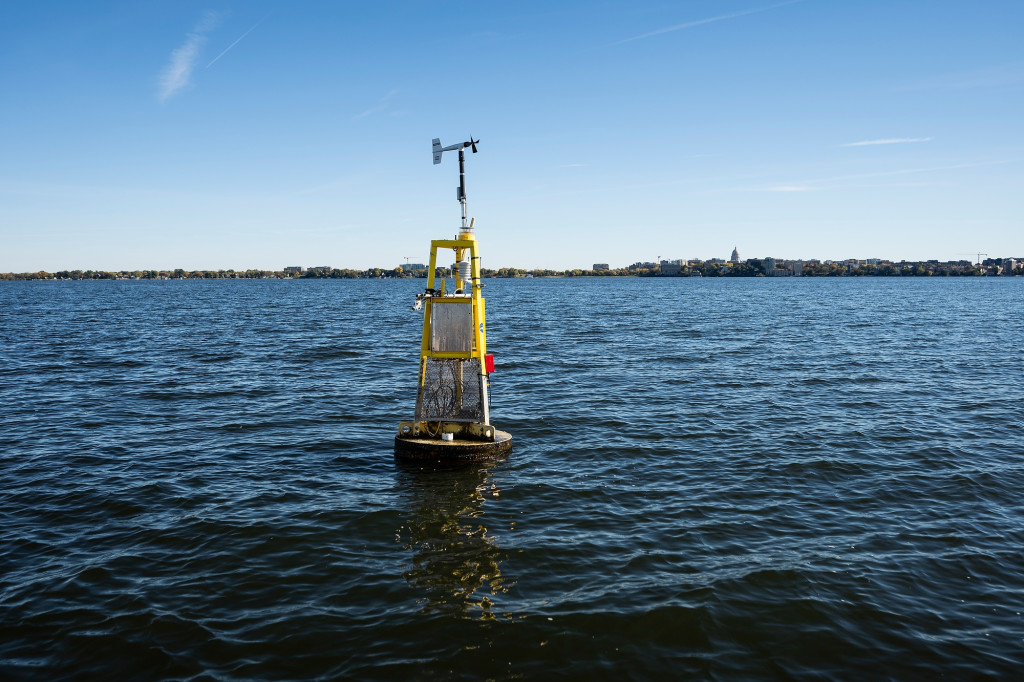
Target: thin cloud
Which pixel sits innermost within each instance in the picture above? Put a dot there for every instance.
(908, 171)
(709, 20)
(768, 188)
(381, 105)
(819, 183)
(228, 48)
(178, 73)
(844, 181)
(889, 140)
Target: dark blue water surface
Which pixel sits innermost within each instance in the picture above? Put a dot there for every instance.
(727, 479)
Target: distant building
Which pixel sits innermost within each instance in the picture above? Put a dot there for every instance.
(782, 268)
(601, 266)
(412, 266)
(671, 267)
(294, 268)
(735, 257)
(873, 261)
(1009, 265)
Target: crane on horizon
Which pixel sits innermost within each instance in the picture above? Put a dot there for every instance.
(979, 254)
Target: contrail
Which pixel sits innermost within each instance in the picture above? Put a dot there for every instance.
(236, 42)
(891, 140)
(699, 22)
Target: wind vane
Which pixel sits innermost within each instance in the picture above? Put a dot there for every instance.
(461, 189)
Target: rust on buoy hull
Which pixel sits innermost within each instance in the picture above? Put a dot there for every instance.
(451, 451)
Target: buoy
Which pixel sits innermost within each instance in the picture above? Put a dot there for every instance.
(452, 420)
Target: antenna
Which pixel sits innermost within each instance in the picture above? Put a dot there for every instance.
(437, 150)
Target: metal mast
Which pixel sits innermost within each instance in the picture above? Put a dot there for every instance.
(460, 191)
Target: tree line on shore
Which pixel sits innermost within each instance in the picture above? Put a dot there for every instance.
(753, 267)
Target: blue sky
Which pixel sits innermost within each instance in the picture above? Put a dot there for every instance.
(264, 134)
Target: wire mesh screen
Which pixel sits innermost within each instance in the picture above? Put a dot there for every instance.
(451, 391)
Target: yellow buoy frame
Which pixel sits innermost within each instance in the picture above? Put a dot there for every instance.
(482, 430)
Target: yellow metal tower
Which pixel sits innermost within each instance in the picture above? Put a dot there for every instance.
(452, 420)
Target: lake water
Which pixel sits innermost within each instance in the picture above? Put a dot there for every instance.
(727, 478)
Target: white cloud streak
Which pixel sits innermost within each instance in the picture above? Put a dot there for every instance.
(843, 180)
(178, 73)
(890, 140)
(907, 171)
(381, 105)
(228, 48)
(709, 20)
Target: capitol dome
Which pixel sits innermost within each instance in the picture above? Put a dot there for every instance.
(735, 258)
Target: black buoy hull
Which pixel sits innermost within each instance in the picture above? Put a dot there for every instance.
(451, 451)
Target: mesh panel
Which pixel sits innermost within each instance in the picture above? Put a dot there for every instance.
(451, 391)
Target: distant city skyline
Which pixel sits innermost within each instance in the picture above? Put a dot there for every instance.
(786, 266)
(251, 134)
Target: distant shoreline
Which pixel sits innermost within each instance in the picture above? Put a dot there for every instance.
(749, 268)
